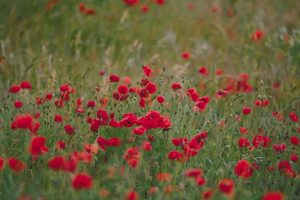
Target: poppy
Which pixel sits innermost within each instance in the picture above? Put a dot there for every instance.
(82, 181)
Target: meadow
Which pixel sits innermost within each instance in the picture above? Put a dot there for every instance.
(150, 99)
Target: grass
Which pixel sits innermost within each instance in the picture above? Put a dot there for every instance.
(62, 45)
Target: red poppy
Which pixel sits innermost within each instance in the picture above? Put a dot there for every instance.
(147, 70)
(207, 194)
(60, 145)
(176, 86)
(132, 156)
(132, 195)
(258, 35)
(16, 165)
(279, 147)
(273, 196)
(82, 181)
(285, 167)
(226, 186)
(14, 89)
(293, 116)
(147, 146)
(193, 172)
(69, 129)
(151, 87)
(244, 142)
(123, 89)
(18, 104)
(243, 169)
(246, 110)
(185, 55)
(114, 78)
(58, 118)
(24, 121)
(37, 146)
(2, 162)
(25, 85)
(175, 155)
(131, 2)
(56, 163)
(203, 71)
(160, 99)
(144, 8)
(140, 130)
(160, 2)
(294, 157)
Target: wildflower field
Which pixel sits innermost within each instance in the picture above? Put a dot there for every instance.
(150, 99)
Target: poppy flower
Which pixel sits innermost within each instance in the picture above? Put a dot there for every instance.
(273, 196)
(81, 7)
(294, 157)
(285, 167)
(58, 118)
(258, 35)
(123, 89)
(16, 165)
(176, 86)
(147, 70)
(160, 2)
(37, 146)
(114, 78)
(175, 155)
(260, 140)
(295, 140)
(132, 195)
(246, 110)
(293, 116)
(226, 186)
(131, 2)
(14, 89)
(279, 147)
(140, 130)
(244, 142)
(193, 94)
(179, 141)
(243, 169)
(113, 142)
(60, 145)
(207, 194)
(160, 99)
(89, 11)
(203, 71)
(200, 181)
(147, 146)
(18, 104)
(102, 115)
(132, 156)
(243, 130)
(25, 85)
(91, 104)
(193, 172)
(56, 163)
(69, 129)
(151, 87)
(185, 55)
(24, 121)
(65, 88)
(82, 181)
(2, 162)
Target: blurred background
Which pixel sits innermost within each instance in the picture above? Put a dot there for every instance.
(51, 41)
